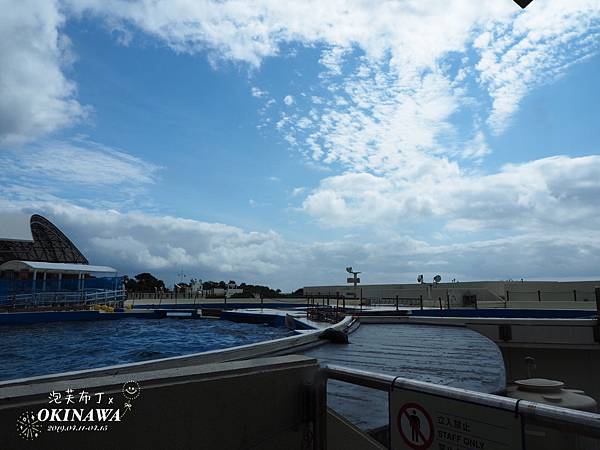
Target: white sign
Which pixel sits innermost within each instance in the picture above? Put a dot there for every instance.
(424, 421)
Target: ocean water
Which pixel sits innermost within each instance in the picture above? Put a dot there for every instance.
(40, 349)
(451, 356)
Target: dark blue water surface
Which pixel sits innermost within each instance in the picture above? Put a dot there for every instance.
(40, 349)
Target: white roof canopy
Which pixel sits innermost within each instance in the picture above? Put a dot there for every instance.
(55, 267)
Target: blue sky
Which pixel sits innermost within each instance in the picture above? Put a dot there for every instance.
(277, 142)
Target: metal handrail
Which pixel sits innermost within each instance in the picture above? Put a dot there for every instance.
(87, 297)
(579, 421)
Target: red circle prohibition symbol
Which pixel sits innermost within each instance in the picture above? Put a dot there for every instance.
(426, 441)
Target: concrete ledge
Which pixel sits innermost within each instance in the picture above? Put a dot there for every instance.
(262, 403)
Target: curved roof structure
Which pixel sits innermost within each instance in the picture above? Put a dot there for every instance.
(49, 245)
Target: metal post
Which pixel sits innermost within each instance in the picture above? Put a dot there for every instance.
(261, 300)
(539, 296)
(597, 291)
(507, 296)
(421, 300)
(575, 295)
(337, 301)
(33, 284)
(440, 300)
(396, 302)
(361, 299)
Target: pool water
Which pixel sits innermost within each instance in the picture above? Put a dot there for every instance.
(40, 349)
(452, 356)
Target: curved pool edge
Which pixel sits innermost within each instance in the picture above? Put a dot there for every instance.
(286, 345)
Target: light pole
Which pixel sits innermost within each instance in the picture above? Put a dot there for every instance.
(354, 280)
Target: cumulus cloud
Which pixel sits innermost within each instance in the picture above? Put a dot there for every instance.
(142, 241)
(36, 98)
(135, 242)
(555, 193)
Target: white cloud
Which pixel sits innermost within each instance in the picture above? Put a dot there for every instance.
(36, 98)
(551, 194)
(395, 73)
(258, 93)
(297, 191)
(77, 161)
(288, 100)
(135, 242)
(535, 48)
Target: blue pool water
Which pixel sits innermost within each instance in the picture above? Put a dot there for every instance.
(40, 349)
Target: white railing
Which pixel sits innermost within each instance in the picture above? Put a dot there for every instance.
(63, 299)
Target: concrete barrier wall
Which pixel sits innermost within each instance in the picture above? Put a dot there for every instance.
(269, 403)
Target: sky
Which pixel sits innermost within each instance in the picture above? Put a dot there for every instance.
(277, 142)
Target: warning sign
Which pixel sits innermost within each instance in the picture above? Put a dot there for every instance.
(415, 426)
(425, 421)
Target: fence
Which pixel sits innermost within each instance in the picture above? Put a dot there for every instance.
(18, 287)
(61, 294)
(535, 425)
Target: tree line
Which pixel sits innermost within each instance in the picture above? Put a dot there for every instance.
(146, 282)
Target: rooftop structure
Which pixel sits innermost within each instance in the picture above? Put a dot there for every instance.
(38, 240)
(41, 267)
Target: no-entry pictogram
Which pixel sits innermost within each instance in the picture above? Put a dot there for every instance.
(415, 426)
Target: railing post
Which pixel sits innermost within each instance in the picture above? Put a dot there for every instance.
(440, 300)
(575, 295)
(539, 295)
(396, 302)
(421, 300)
(597, 291)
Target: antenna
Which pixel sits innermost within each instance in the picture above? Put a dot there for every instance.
(181, 275)
(420, 279)
(437, 278)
